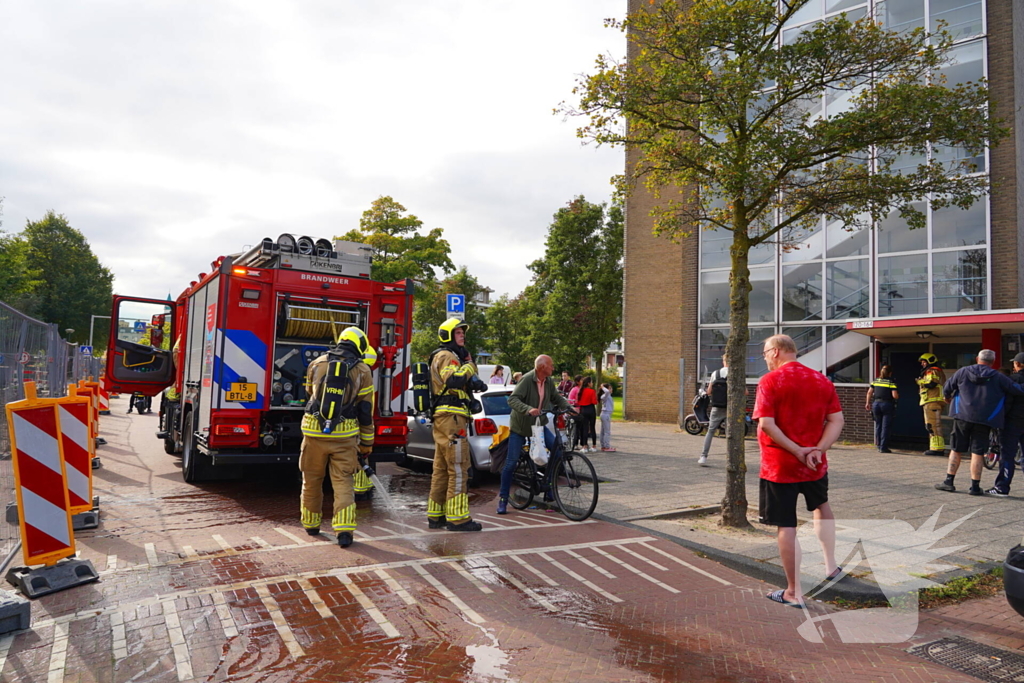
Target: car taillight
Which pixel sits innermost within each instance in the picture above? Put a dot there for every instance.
(232, 430)
(398, 430)
(485, 426)
(560, 421)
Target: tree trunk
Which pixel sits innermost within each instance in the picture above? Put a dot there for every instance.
(598, 359)
(734, 505)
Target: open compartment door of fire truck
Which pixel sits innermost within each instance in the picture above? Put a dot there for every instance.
(139, 347)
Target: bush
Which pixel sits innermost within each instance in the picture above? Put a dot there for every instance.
(611, 378)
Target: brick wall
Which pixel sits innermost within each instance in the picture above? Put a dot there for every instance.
(1007, 283)
(859, 427)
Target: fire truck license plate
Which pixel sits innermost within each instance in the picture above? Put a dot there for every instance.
(242, 392)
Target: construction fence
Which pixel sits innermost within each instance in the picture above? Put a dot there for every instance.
(30, 351)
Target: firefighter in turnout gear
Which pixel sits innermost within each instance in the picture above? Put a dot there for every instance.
(452, 379)
(336, 429)
(360, 481)
(930, 383)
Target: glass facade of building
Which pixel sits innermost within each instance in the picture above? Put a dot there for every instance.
(811, 285)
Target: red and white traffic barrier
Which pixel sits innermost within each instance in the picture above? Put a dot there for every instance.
(78, 450)
(104, 397)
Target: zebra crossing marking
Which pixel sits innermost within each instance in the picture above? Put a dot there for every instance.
(468, 577)
(499, 521)
(260, 542)
(58, 654)
(182, 661)
(592, 586)
(401, 524)
(360, 534)
(396, 587)
(227, 622)
(190, 552)
(630, 551)
(687, 564)
(508, 576)
(224, 545)
(389, 629)
(526, 565)
(636, 571)
(118, 636)
(111, 562)
(452, 598)
(151, 554)
(314, 597)
(598, 569)
(5, 647)
(277, 617)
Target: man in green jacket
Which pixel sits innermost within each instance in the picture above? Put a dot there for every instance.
(532, 399)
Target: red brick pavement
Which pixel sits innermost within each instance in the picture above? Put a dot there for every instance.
(407, 605)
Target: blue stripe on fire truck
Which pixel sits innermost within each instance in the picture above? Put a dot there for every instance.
(245, 355)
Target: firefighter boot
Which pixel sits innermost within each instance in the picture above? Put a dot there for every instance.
(345, 539)
(465, 526)
(936, 446)
(435, 515)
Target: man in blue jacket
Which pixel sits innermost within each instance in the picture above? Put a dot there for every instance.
(977, 397)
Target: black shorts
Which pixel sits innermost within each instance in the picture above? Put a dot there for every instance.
(969, 437)
(778, 501)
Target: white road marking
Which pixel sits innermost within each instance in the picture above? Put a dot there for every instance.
(260, 542)
(290, 535)
(151, 554)
(500, 520)
(526, 565)
(58, 654)
(5, 647)
(277, 617)
(183, 663)
(521, 586)
(227, 622)
(463, 607)
(360, 534)
(224, 545)
(545, 519)
(598, 569)
(687, 565)
(314, 597)
(120, 644)
(636, 571)
(396, 587)
(111, 562)
(389, 630)
(630, 551)
(400, 524)
(594, 587)
(468, 577)
(190, 552)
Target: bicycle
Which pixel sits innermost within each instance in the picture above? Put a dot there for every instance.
(991, 456)
(572, 481)
(570, 428)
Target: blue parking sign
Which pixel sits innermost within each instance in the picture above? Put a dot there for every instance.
(456, 305)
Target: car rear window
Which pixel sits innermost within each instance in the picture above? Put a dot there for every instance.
(496, 404)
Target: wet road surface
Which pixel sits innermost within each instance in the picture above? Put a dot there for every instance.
(218, 582)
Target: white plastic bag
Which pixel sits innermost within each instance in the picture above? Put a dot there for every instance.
(538, 453)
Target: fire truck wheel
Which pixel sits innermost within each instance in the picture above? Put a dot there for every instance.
(194, 467)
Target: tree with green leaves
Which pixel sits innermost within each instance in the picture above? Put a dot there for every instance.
(577, 285)
(508, 332)
(73, 284)
(723, 122)
(399, 250)
(430, 310)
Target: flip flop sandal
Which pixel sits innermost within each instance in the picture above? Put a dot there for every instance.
(776, 596)
(835, 575)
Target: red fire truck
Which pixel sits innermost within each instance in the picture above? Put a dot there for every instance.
(233, 349)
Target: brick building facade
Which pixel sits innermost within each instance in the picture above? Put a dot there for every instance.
(866, 298)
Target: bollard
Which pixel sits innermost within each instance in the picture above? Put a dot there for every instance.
(43, 500)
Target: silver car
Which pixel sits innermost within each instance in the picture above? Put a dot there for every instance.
(484, 424)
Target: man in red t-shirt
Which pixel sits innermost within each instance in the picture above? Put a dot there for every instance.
(799, 418)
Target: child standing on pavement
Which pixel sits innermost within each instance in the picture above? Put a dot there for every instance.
(607, 407)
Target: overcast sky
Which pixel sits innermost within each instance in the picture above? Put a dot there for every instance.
(170, 133)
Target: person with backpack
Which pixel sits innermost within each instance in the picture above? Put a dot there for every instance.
(336, 428)
(452, 378)
(718, 388)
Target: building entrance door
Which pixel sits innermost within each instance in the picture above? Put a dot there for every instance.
(908, 425)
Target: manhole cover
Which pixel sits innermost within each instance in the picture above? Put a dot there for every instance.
(981, 661)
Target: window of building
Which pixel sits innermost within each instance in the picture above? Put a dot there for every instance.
(956, 227)
(802, 292)
(848, 356)
(895, 235)
(844, 241)
(903, 285)
(847, 287)
(901, 15)
(962, 17)
(960, 280)
(762, 295)
(712, 347)
(714, 297)
(808, 345)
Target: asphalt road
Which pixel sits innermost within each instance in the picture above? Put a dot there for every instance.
(218, 582)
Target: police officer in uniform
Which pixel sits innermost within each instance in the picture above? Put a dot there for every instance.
(930, 383)
(452, 378)
(336, 429)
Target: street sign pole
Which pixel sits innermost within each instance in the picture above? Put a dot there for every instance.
(92, 323)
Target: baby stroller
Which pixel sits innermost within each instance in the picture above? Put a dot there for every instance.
(697, 421)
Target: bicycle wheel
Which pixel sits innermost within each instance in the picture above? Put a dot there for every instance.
(524, 478)
(990, 460)
(575, 485)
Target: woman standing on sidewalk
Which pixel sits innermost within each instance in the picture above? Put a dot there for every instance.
(587, 401)
(881, 402)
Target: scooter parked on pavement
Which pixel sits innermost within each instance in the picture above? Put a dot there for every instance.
(697, 421)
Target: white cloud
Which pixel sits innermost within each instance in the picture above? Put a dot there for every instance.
(171, 133)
